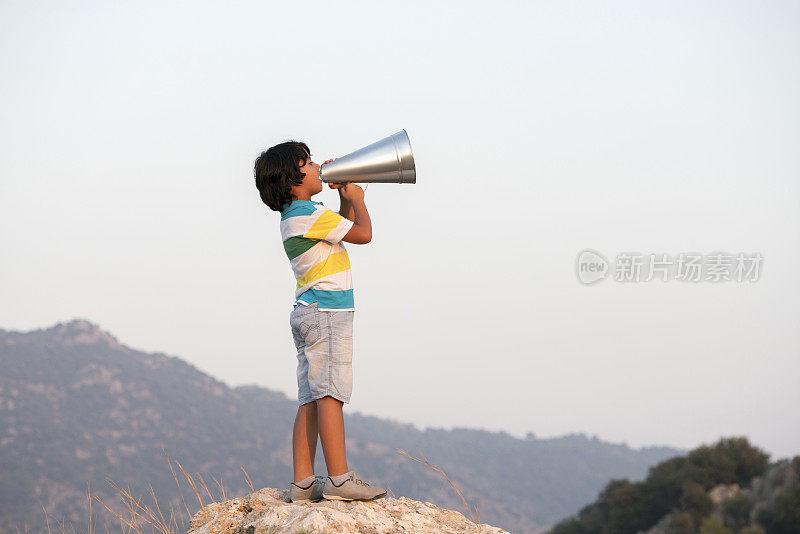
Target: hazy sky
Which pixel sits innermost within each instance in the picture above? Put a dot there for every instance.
(128, 136)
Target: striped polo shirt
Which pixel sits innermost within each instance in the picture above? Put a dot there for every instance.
(312, 238)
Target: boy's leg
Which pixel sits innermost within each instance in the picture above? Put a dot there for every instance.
(331, 432)
(304, 441)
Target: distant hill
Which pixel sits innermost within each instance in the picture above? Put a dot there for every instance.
(77, 406)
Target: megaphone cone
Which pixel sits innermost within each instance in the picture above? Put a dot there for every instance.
(389, 160)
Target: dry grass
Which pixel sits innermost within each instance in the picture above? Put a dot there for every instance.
(140, 517)
(476, 518)
(46, 517)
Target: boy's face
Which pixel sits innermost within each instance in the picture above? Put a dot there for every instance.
(312, 183)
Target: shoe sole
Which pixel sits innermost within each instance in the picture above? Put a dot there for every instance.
(338, 498)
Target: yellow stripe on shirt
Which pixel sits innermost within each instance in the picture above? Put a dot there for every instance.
(335, 263)
(323, 225)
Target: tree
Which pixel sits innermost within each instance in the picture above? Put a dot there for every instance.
(630, 509)
(785, 512)
(664, 483)
(570, 526)
(729, 461)
(714, 525)
(695, 501)
(682, 482)
(681, 523)
(736, 511)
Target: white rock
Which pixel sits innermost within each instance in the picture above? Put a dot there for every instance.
(723, 492)
(269, 510)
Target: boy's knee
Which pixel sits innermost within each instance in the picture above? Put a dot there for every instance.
(328, 399)
(309, 406)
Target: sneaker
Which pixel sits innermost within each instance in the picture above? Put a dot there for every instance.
(312, 492)
(351, 489)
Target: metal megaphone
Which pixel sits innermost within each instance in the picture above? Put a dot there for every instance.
(388, 161)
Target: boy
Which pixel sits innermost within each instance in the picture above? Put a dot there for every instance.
(322, 317)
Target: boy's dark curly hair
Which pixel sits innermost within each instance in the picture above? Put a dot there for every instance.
(277, 169)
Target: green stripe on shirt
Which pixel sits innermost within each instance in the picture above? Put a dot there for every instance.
(294, 246)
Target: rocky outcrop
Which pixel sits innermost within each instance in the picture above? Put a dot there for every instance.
(72, 333)
(269, 510)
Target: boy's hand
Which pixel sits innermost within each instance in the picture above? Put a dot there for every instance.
(350, 192)
(347, 193)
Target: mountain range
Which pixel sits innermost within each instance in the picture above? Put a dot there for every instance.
(79, 411)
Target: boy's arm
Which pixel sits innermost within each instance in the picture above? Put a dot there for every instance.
(346, 208)
(352, 207)
(361, 231)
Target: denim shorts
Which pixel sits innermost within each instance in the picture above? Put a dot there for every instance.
(324, 341)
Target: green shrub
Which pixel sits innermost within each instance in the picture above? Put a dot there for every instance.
(714, 525)
(681, 523)
(664, 480)
(785, 512)
(695, 501)
(729, 461)
(629, 508)
(624, 507)
(570, 526)
(736, 511)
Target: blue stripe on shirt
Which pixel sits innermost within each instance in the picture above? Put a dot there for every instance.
(329, 299)
(296, 211)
